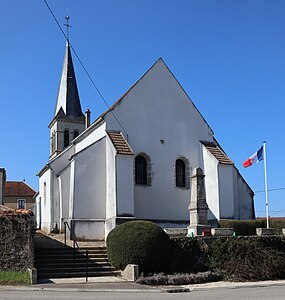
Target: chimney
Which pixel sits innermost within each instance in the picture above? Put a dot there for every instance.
(87, 118)
(2, 185)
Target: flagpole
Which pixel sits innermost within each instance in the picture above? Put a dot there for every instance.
(266, 185)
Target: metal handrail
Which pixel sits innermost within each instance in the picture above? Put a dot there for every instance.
(75, 243)
(71, 234)
(86, 266)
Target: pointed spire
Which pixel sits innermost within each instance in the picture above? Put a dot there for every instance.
(68, 101)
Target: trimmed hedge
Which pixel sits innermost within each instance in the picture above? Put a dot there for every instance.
(189, 255)
(249, 258)
(245, 228)
(142, 243)
(242, 227)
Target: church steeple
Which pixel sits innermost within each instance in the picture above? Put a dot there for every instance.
(68, 97)
(68, 120)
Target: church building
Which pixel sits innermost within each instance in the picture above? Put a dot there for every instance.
(135, 161)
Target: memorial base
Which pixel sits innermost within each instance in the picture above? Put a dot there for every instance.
(194, 230)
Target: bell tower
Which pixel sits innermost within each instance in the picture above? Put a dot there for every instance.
(68, 121)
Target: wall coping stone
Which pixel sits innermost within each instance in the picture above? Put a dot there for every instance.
(222, 231)
(264, 231)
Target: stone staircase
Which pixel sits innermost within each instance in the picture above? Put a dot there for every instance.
(55, 260)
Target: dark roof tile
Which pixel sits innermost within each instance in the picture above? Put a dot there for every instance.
(120, 143)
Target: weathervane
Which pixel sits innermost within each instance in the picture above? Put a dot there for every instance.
(67, 26)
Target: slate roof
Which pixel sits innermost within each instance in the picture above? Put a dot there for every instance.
(18, 188)
(218, 153)
(68, 102)
(120, 143)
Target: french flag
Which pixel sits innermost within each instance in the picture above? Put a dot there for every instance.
(255, 158)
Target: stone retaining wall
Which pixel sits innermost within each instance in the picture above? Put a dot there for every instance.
(16, 240)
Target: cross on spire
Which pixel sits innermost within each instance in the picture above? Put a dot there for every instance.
(67, 27)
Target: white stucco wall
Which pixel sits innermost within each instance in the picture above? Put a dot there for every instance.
(125, 185)
(88, 229)
(64, 194)
(94, 134)
(111, 190)
(211, 184)
(226, 191)
(56, 202)
(90, 182)
(44, 194)
(244, 198)
(162, 122)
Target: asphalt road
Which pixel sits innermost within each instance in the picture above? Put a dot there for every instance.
(241, 293)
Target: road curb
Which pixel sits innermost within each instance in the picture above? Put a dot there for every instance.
(58, 289)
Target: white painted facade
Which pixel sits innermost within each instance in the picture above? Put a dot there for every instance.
(92, 185)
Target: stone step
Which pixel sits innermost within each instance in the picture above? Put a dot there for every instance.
(68, 249)
(68, 262)
(78, 274)
(69, 255)
(73, 269)
(52, 264)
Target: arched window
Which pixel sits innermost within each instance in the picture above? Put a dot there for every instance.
(180, 173)
(75, 134)
(140, 170)
(66, 138)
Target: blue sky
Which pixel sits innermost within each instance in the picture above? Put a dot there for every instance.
(228, 55)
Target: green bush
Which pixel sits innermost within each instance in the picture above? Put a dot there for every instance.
(242, 227)
(142, 243)
(189, 255)
(277, 225)
(249, 258)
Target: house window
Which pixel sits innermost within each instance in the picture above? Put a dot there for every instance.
(66, 138)
(180, 173)
(21, 204)
(75, 134)
(140, 170)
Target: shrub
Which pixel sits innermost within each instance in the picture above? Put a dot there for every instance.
(179, 279)
(277, 224)
(249, 258)
(189, 255)
(142, 243)
(242, 227)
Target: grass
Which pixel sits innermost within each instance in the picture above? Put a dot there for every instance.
(14, 278)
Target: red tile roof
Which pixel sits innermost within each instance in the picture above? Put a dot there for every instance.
(218, 153)
(18, 188)
(120, 143)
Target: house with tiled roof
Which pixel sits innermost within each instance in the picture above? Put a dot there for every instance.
(16, 194)
(135, 161)
(19, 195)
